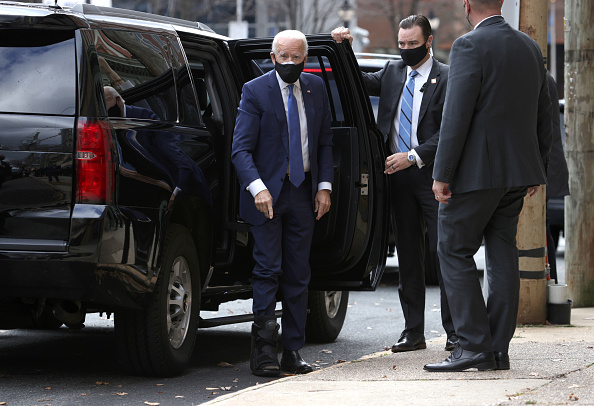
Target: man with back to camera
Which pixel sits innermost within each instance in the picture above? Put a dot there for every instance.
(411, 131)
(282, 153)
(493, 150)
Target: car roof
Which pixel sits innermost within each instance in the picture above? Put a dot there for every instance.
(83, 15)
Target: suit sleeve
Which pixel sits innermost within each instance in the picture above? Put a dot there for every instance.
(373, 81)
(464, 84)
(245, 137)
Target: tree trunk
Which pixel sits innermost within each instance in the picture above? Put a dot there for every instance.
(531, 237)
(579, 151)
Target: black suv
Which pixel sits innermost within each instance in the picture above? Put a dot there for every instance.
(138, 215)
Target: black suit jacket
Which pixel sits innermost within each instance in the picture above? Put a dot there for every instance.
(496, 127)
(388, 84)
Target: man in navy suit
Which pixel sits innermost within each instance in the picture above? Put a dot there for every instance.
(493, 150)
(282, 153)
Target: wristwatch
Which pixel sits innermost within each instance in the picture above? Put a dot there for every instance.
(411, 158)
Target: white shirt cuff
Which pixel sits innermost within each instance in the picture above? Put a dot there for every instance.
(420, 163)
(256, 187)
(325, 185)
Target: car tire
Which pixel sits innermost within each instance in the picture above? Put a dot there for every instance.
(46, 320)
(327, 310)
(158, 340)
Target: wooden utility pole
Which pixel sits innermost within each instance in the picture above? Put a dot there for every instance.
(579, 151)
(531, 237)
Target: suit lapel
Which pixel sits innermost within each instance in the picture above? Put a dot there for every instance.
(432, 83)
(306, 94)
(276, 98)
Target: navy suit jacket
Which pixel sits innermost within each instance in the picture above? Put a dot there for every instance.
(496, 125)
(261, 138)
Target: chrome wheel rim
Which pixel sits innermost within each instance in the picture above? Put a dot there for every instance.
(332, 299)
(179, 302)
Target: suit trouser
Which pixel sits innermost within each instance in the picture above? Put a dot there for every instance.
(492, 214)
(281, 251)
(415, 210)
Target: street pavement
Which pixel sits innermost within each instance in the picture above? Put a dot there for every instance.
(550, 365)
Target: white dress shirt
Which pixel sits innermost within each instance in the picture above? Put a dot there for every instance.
(422, 77)
(258, 185)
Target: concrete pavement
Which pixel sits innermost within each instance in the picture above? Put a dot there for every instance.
(550, 365)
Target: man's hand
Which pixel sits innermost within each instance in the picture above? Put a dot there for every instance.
(532, 190)
(397, 162)
(442, 194)
(322, 203)
(341, 33)
(263, 202)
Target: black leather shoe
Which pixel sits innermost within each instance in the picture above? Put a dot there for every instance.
(263, 358)
(501, 359)
(293, 363)
(461, 360)
(451, 342)
(409, 341)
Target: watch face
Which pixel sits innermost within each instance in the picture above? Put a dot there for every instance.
(411, 158)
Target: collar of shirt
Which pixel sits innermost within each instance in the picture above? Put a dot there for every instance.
(423, 71)
(480, 22)
(284, 84)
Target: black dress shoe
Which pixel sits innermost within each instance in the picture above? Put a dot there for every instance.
(409, 341)
(451, 342)
(461, 360)
(293, 363)
(501, 359)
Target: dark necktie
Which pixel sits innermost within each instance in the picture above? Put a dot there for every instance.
(406, 114)
(296, 172)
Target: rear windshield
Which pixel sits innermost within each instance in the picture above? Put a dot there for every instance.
(37, 71)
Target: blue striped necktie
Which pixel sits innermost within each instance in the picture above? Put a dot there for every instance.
(296, 171)
(406, 114)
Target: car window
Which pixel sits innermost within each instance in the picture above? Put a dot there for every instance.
(38, 71)
(138, 66)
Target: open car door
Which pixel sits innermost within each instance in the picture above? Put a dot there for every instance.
(350, 242)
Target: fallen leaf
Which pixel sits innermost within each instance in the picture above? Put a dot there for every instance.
(226, 388)
(179, 397)
(533, 374)
(557, 360)
(574, 386)
(573, 397)
(327, 351)
(224, 364)
(48, 388)
(369, 328)
(152, 403)
(214, 393)
(159, 384)
(3, 403)
(101, 383)
(385, 376)
(236, 380)
(339, 361)
(211, 388)
(120, 393)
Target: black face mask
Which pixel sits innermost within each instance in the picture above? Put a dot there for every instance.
(114, 111)
(289, 72)
(412, 57)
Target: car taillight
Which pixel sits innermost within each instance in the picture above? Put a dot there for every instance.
(94, 163)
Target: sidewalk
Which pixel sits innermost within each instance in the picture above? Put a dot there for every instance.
(550, 365)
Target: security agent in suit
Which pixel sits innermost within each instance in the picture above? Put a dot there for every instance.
(493, 149)
(412, 203)
(281, 212)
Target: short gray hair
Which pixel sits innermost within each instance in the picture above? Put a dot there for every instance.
(293, 34)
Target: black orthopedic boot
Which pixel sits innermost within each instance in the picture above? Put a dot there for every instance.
(263, 356)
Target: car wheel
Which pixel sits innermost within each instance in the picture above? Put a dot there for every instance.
(46, 320)
(327, 310)
(158, 340)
